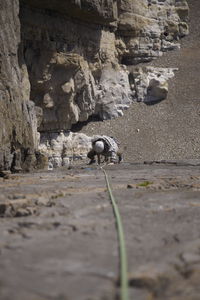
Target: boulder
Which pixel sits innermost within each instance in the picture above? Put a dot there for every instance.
(151, 84)
(62, 148)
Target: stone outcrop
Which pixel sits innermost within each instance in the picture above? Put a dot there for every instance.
(75, 59)
(149, 28)
(77, 53)
(18, 122)
(151, 84)
(63, 148)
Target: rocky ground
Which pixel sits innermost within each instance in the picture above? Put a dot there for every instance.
(58, 237)
(169, 129)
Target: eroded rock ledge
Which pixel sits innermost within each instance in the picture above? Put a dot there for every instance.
(76, 59)
(77, 52)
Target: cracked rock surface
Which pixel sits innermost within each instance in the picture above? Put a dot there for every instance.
(58, 238)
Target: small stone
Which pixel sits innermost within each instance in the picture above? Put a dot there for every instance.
(130, 186)
(42, 201)
(4, 174)
(22, 212)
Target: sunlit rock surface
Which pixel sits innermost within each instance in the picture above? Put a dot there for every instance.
(77, 51)
(62, 148)
(74, 59)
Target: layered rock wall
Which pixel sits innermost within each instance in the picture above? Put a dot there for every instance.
(77, 53)
(76, 59)
(18, 123)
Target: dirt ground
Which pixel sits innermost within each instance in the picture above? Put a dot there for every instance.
(58, 237)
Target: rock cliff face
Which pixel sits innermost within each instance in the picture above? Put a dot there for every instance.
(18, 123)
(77, 59)
(77, 53)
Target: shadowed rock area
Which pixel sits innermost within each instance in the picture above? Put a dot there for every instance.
(18, 122)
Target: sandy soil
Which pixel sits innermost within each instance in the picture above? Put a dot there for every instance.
(58, 237)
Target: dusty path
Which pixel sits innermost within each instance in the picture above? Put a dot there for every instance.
(58, 238)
